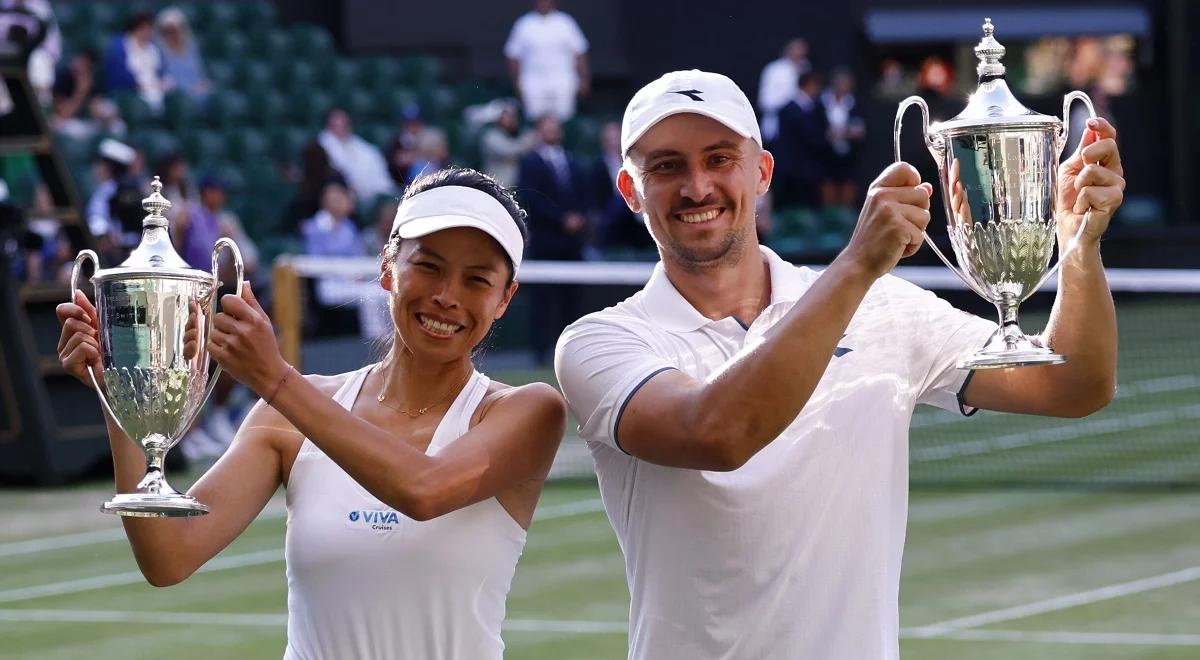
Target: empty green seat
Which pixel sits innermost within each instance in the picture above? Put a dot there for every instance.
(133, 109)
(294, 75)
(252, 74)
(213, 16)
(251, 14)
(221, 72)
(247, 145)
(155, 144)
(379, 71)
(391, 101)
(272, 44)
(180, 111)
(204, 148)
(225, 44)
(308, 107)
(420, 71)
(312, 41)
(287, 141)
(267, 107)
(227, 108)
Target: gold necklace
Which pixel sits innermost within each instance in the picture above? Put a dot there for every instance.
(420, 411)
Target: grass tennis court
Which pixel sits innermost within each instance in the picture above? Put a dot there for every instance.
(1035, 573)
(997, 574)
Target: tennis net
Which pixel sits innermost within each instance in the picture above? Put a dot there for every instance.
(328, 310)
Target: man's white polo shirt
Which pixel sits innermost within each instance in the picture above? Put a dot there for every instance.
(797, 553)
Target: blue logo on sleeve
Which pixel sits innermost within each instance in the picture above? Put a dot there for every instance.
(841, 350)
(353, 516)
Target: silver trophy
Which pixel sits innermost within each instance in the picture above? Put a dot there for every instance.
(998, 164)
(155, 315)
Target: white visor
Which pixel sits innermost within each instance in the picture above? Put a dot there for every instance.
(459, 206)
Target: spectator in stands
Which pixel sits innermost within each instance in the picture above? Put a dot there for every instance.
(177, 185)
(547, 60)
(503, 144)
(206, 219)
(778, 83)
(78, 110)
(195, 232)
(358, 160)
(133, 62)
(109, 171)
(182, 64)
(617, 228)
(801, 149)
(415, 149)
(846, 134)
(331, 232)
(554, 192)
(314, 173)
(42, 41)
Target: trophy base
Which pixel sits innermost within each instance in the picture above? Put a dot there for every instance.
(1009, 359)
(146, 505)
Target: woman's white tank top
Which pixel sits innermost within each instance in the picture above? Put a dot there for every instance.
(367, 582)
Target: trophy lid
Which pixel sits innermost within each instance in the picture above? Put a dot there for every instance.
(154, 256)
(992, 104)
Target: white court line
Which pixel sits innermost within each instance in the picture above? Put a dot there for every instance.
(47, 543)
(1071, 431)
(134, 577)
(270, 620)
(1058, 603)
(273, 511)
(1161, 385)
(279, 620)
(551, 512)
(1066, 637)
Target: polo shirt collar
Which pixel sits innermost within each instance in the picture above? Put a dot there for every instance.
(673, 312)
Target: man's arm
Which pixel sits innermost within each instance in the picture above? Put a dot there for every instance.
(1083, 323)
(720, 423)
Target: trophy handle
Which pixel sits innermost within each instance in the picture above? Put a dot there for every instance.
(1066, 125)
(1087, 215)
(920, 102)
(239, 268)
(90, 255)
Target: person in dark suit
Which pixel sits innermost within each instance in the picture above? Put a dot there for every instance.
(617, 228)
(801, 148)
(553, 190)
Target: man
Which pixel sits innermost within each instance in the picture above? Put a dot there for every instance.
(553, 191)
(778, 83)
(547, 60)
(801, 149)
(358, 160)
(749, 419)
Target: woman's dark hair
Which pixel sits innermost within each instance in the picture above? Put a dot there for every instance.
(469, 178)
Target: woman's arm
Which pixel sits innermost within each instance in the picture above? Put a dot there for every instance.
(513, 443)
(236, 488)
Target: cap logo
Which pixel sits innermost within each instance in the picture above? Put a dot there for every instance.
(693, 94)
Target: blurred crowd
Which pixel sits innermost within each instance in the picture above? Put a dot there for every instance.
(344, 183)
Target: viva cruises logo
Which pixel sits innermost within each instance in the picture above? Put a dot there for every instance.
(377, 520)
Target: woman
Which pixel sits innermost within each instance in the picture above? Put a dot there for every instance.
(418, 466)
(182, 63)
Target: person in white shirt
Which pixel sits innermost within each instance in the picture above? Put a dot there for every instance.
(358, 160)
(778, 84)
(410, 482)
(547, 60)
(749, 419)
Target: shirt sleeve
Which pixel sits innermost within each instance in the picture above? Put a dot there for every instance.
(940, 335)
(600, 365)
(578, 42)
(515, 46)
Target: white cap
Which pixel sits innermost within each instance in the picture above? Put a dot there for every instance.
(710, 94)
(117, 151)
(459, 206)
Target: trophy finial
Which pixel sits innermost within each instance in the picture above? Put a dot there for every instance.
(155, 205)
(989, 51)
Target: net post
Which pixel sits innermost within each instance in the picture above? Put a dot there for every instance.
(285, 309)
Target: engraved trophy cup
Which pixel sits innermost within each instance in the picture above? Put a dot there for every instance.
(155, 316)
(998, 165)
